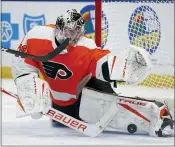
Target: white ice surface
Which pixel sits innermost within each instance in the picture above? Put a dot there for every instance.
(26, 131)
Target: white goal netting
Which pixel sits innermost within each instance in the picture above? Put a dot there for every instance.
(148, 24)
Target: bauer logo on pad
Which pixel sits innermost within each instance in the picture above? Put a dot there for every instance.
(31, 21)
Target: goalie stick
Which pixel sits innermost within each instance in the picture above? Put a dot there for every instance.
(92, 130)
(43, 58)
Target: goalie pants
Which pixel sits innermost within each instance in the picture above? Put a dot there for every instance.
(72, 110)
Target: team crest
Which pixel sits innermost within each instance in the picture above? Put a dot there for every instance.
(31, 21)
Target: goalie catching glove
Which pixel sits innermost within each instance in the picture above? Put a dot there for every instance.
(132, 67)
(33, 95)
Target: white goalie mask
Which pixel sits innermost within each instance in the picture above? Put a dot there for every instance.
(69, 25)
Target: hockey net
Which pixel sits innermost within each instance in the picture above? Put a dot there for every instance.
(148, 24)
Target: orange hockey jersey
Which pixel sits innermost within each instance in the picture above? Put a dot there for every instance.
(65, 71)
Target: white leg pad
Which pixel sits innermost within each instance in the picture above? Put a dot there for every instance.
(94, 104)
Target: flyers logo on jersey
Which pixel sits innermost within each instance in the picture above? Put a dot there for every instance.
(56, 70)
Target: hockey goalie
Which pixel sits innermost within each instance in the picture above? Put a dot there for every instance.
(80, 80)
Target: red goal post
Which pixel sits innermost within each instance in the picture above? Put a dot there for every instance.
(98, 20)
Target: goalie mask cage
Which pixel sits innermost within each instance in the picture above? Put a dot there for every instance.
(145, 23)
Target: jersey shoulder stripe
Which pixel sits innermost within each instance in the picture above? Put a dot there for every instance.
(41, 32)
(87, 42)
(49, 25)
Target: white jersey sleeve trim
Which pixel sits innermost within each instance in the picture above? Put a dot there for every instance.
(43, 32)
(86, 42)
